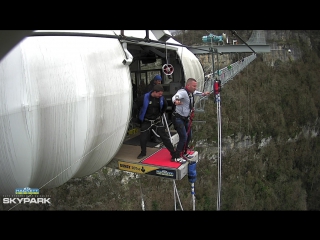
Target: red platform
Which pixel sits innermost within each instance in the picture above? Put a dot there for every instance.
(162, 158)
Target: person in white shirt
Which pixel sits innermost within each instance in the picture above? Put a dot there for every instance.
(183, 115)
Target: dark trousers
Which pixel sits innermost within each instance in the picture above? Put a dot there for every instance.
(145, 133)
(182, 126)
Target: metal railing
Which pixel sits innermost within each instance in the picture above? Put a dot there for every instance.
(224, 75)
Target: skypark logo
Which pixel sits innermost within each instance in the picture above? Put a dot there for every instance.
(26, 200)
(20, 198)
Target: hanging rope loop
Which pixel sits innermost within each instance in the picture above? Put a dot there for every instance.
(167, 69)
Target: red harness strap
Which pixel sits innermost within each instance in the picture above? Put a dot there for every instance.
(188, 132)
(191, 106)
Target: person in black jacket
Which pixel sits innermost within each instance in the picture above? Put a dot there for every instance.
(151, 106)
(156, 80)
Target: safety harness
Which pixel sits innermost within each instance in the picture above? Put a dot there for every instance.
(191, 116)
(143, 111)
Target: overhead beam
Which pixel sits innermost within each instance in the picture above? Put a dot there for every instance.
(152, 49)
(230, 49)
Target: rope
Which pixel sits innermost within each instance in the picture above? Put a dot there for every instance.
(248, 102)
(165, 120)
(219, 150)
(166, 53)
(142, 201)
(191, 97)
(240, 127)
(154, 132)
(167, 68)
(176, 193)
(185, 150)
(185, 147)
(174, 196)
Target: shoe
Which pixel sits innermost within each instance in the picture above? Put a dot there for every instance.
(173, 159)
(188, 156)
(180, 160)
(141, 155)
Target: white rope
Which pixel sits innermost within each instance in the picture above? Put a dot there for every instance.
(174, 196)
(142, 201)
(165, 120)
(166, 53)
(219, 151)
(176, 192)
(155, 133)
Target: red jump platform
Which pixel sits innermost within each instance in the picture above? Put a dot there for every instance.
(158, 164)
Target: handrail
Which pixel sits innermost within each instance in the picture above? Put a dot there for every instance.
(225, 74)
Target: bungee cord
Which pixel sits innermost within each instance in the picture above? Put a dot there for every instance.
(216, 90)
(225, 74)
(176, 194)
(142, 201)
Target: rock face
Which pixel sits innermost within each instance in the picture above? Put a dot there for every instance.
(284, 46)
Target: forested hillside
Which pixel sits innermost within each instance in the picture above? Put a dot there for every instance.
(281, 104)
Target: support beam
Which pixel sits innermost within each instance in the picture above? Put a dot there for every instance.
(230, 49)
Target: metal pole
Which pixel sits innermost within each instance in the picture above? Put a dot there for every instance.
(218, 66)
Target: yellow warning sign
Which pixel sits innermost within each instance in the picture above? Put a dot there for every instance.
(137, 168)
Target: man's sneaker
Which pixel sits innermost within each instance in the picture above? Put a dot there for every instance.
(188, 156)
(180, 160)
